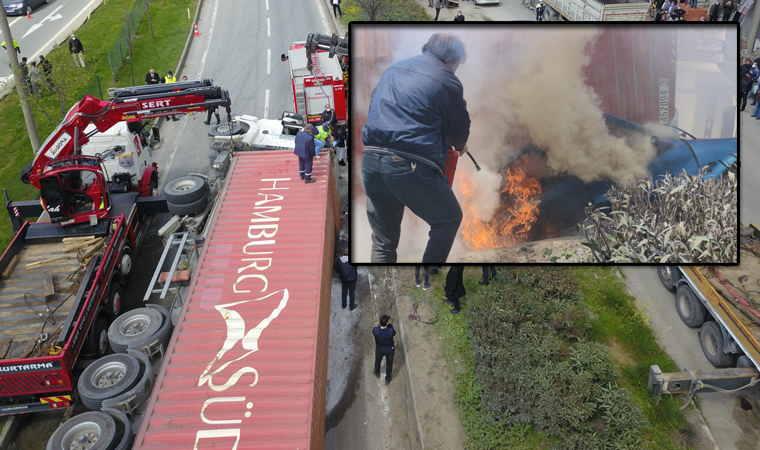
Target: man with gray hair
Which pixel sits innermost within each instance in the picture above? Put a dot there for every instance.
(416, 113)
(305, 151)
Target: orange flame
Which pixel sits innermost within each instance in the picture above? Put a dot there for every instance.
(513, 218)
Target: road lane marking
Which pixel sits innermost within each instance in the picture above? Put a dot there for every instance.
(266, 105)
(268, 30)
(267, 5)
(50, 18)
(52, 41)
(269, 61)
(208, 39)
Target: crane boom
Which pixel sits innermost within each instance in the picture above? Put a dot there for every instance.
(130, 104)
(334, 44)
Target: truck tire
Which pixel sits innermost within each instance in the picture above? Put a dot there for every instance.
(744, 361)
(93, 430)
(99, 338)
(223, 129)
(692, 312)
(711, 340)
(108, 377)
(185, 190)
(667, 276)
(188, 209)
(133, 326)
(114, 299)
(25, 172)
(125, 262)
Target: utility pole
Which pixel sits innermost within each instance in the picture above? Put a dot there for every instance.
(10, 48)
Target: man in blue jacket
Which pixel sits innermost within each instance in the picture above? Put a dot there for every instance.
(417, 112)
(305, 151)
(348, 276)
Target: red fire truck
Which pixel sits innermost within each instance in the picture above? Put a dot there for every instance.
(316, 77)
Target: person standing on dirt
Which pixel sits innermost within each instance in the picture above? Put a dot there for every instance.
(406, 147)
(384, 346)
(348, 276)
(454, 287)
(417, 277)
(77, 50)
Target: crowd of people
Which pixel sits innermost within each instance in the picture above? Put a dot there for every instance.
(311, 140)
(749, 79)
(671, 11)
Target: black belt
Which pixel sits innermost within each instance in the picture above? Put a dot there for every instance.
(385, 151)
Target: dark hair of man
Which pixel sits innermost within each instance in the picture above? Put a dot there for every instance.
(445, 46)
(384, 320)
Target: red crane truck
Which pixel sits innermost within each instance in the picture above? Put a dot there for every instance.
(61, 280)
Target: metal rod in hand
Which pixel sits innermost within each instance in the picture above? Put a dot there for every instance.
(473, 161)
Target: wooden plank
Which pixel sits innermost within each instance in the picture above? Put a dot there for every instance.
(80, 244)
(91, 250)
(6, 345)
(47, 285)
(78, 239)
(11, 266)
(45, 262)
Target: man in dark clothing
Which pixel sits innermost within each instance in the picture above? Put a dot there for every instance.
(47, 70)
(77, 50)
(405, 148)
(438, 5)
(25, 75)
(745, 68)
(745, 87)
(454, 287)
(486, 268)
(728, 9)
(305, 151)
(714, 11)
(540, 11)
(152, 77)
(347, 274)
(212, 110)
(384, 346)
(417, 277)
(329, 117)
(459, 17)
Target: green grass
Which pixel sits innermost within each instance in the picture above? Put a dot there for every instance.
(391, 11)
(481, 432)
(98, 35)
(615, 318)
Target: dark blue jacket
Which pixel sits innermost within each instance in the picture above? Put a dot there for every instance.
(418, 107)
(304, 144)
(346, 271)
(384, 338)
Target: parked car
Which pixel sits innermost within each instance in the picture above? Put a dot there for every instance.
(564, 198)
(21, 7)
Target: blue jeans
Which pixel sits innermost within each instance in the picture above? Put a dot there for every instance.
(392, 183)
(318, 143)
(693, 3)
(757, 108)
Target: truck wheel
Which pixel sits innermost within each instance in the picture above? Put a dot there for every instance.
(692, 312)
(25, 172)
(744, 361)
(188, 209)
(185, 190)
(224, 129)
(133, 326)
(100, 338)
(667, 277)
(154, 186)
(114, 299)
(107, 378)
(125, 261)
(711, 339)
(90, 430)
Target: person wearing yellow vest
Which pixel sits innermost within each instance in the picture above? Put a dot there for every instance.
(170, 78)
(15, 45)
(321, 136)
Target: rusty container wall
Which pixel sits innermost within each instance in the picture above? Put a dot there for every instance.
(246, 366)
(633, 71)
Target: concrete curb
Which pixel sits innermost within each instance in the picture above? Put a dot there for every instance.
(183, 57)
(336, 27)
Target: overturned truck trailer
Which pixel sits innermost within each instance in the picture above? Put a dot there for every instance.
(246, 366)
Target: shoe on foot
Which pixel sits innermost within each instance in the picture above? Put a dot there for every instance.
(310, 181)
(344, 306)
(207, 122)
(341, 163)
(427, 286)
(353, 307)
(417, 283)
(448, 302)
(483, 282)
(387, 381)
(454, 311)
(377, 374)
(174, 119)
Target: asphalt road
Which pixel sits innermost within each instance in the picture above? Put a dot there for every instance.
(732, 427)
(50, 24)
(243, 57)
(508, 10)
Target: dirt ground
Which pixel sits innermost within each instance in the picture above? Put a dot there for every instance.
(530, 252)
(416, 410)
